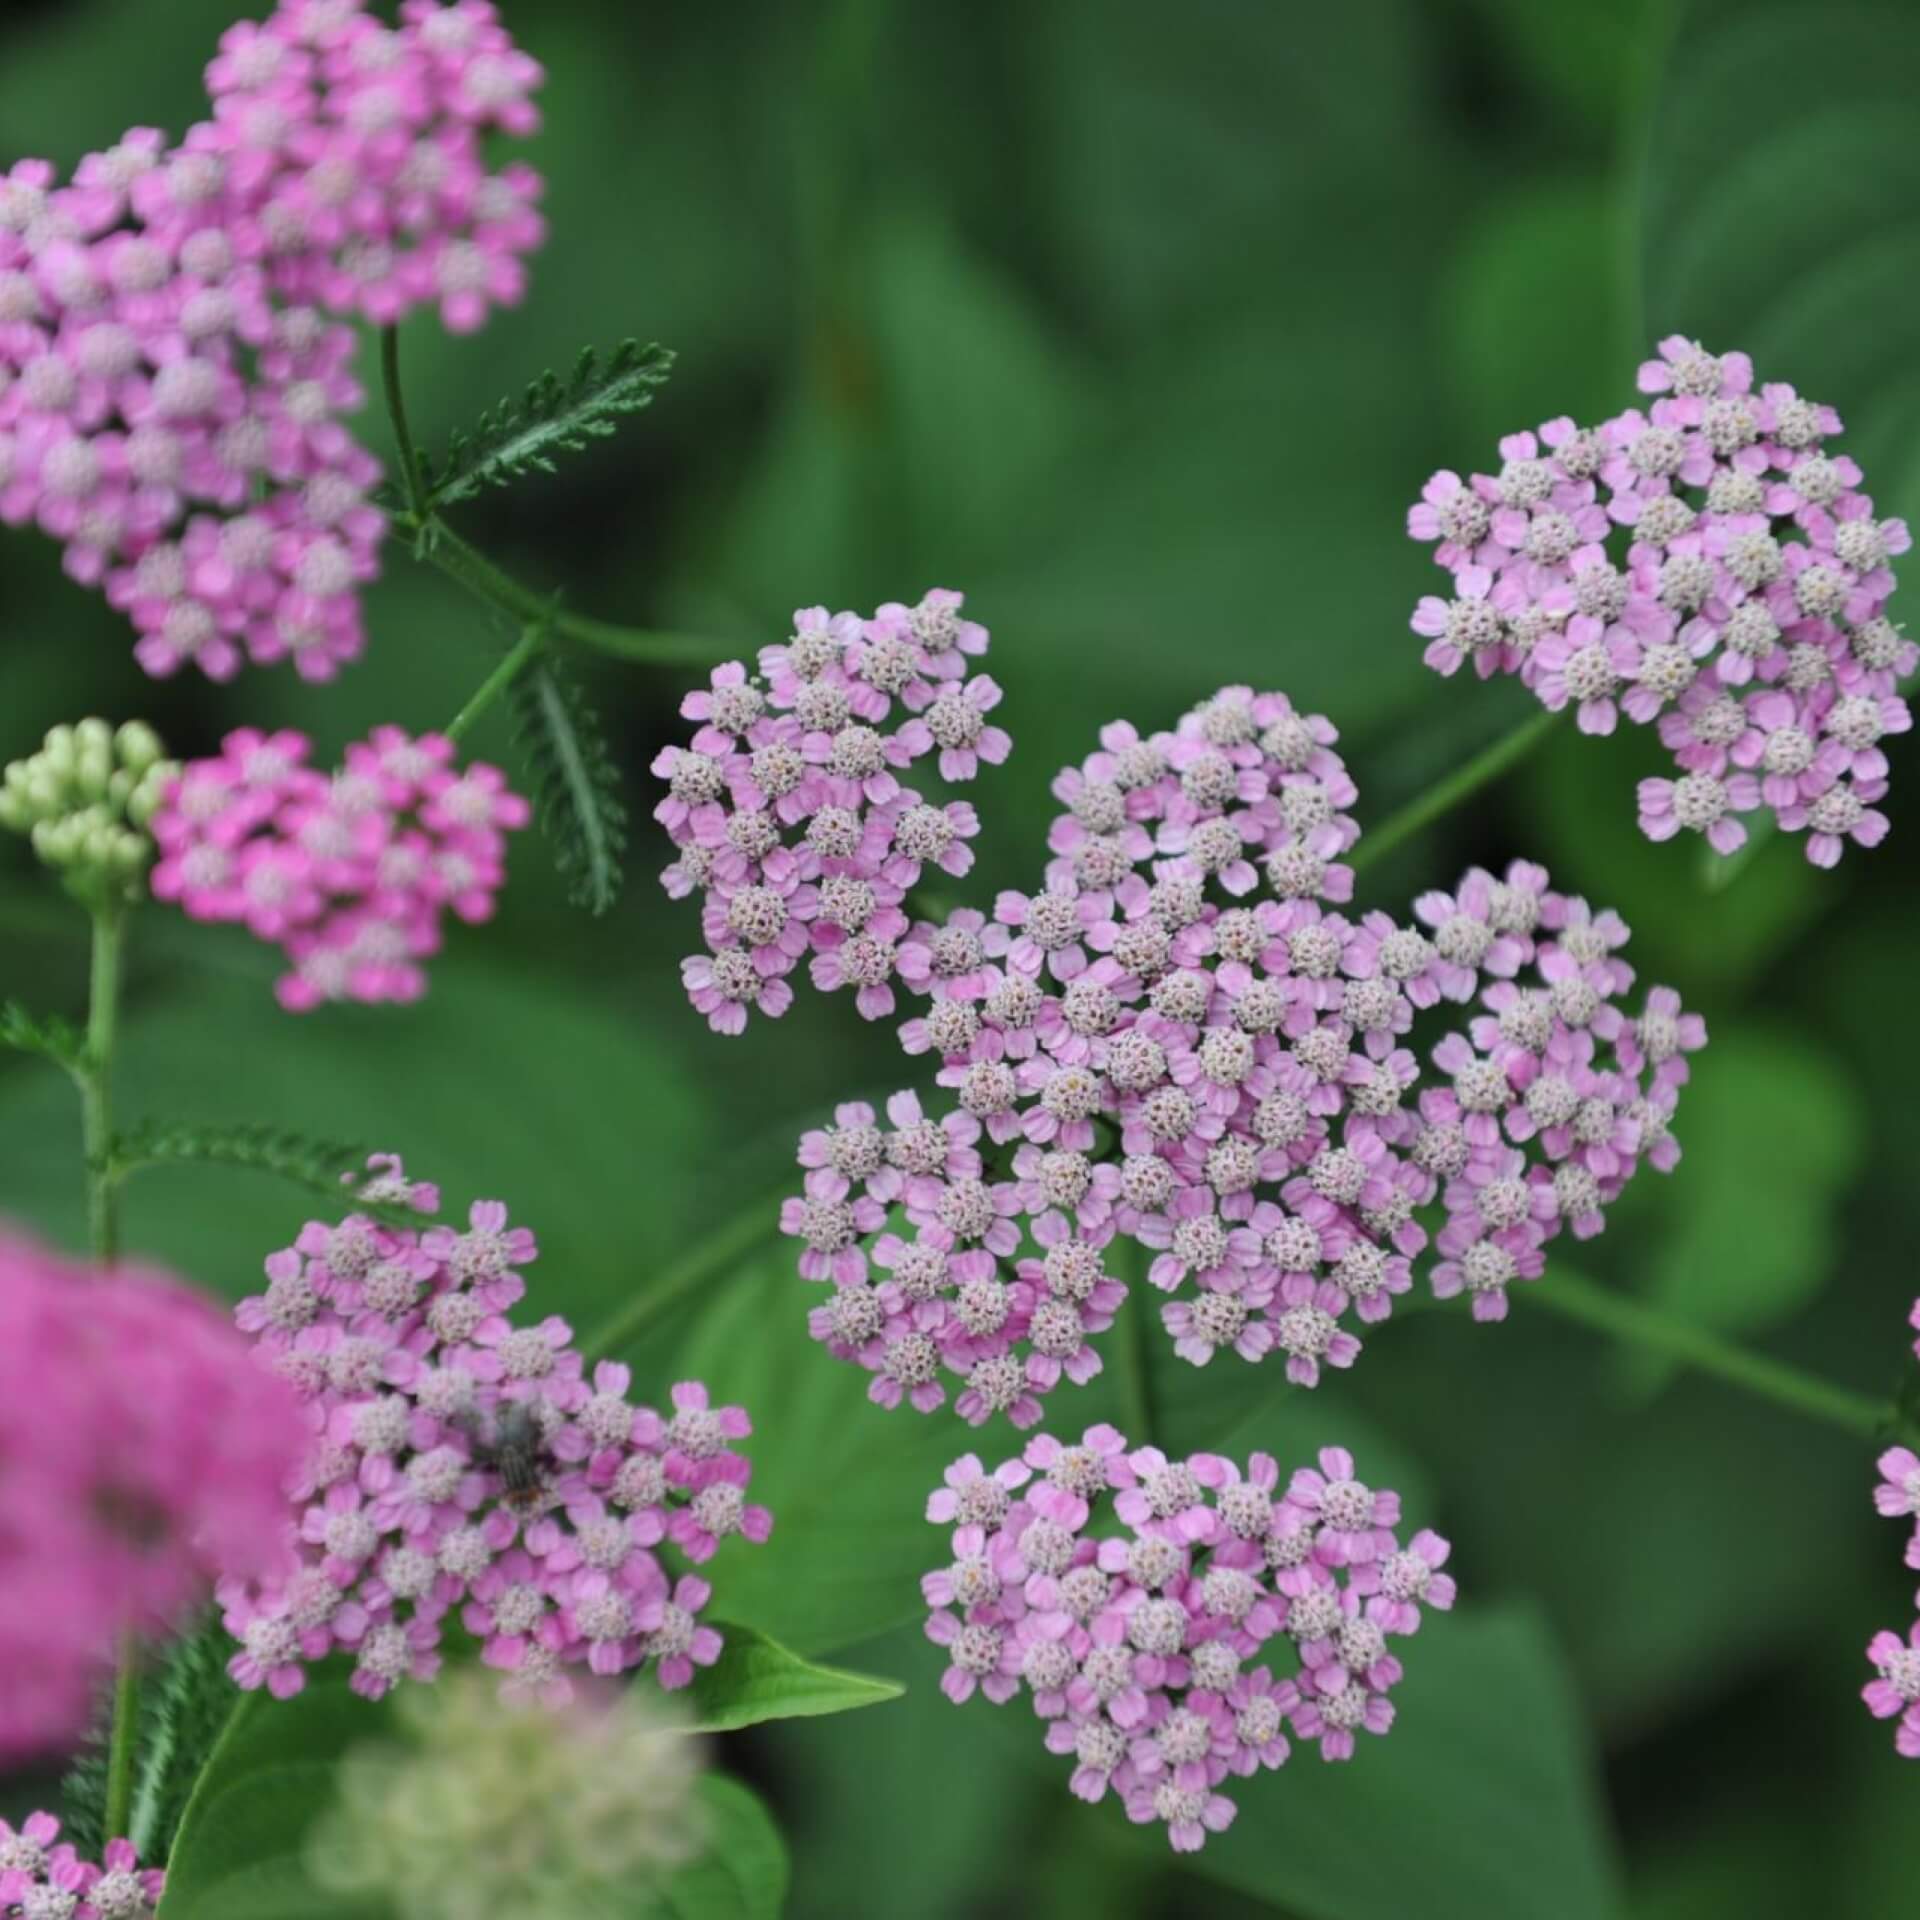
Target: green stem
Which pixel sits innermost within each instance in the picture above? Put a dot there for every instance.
(1624, 1318)
(462, 561)
(103, 1231)
(402, 431)
(754, 1225)
(1131, 1360)
(1444, 795)
(96, 1087)
(498, 681)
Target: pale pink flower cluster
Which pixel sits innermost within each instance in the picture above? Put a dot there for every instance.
(1894, 1691)
(465, 1466)
(1129, 1596)
(141, 1452)
(349, 873)
(789, 815)
(43, 1878)
(1146, 1050)
(1706, 565)
(173, 367)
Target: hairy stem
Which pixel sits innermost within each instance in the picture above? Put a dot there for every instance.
(402, 430)
(96, 1086)
(707, 1260)
(498, 681)
(462, 561)
(103, 1232)
(1444, 795)
(1624, 1318)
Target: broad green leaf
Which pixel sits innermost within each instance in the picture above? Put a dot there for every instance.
(239, 1851)
(1481, 1801)
(757, 1679)
(743, 1873)
(1773, 1133)
(847, 1481)
(1778, 212)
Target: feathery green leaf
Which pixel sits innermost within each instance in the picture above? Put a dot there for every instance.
(51, 1037)
(554, 416)
(326, 1167)
(575, 782)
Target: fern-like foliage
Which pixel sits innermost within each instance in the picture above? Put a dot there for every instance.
(321, 1166)
(183, 1708)
(575, 781)
(554, 416)
(49, 1036)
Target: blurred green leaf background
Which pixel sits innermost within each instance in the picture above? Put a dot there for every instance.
(1143, 327)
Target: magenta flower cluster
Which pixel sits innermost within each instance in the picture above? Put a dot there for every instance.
(1129, 1596)
(1710, 567)
(173, 363)
(1148, 1050)
(788, 812)
(43, 1878)
(142, 1453)
(462, 1466)
(1894, 1691)
(349, 874)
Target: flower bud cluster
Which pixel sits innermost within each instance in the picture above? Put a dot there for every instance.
(465, 1466)
(788, 812)
(1152, 1049)
(349, 874)
(174, 367)
(1709, 566)
(86, 799)
(1134, 1599)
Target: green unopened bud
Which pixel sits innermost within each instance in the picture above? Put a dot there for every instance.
(85, 799)
(500, 1811)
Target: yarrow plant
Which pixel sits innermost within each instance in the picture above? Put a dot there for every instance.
(1894, 1691)
(789, 817)
(1129, 1596)
(1706, 565)
(349, 874)
(43, 1877)
(1148, 1049)
(174, 363)
(142, 1456)
(463, 1466)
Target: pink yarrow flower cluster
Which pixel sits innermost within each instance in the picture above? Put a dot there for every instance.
(349, 874)
(788, 811)
(1894, 1691)
(143, 1453)
(466, 1467)
(1148, 1049)
(1129, 1596)
(173, 365)
(42, 1877)
(1706, 565)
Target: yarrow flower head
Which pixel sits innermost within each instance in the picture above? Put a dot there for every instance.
(1894, 1691)
(1708, 566)
(42, 1877)
(85, 799)
(144, 1454)
(174, 367)
(467, 1466)
(514, 1811)
(791, 820)
(1133, 1598)
(349, 874)
(1150, 1049)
